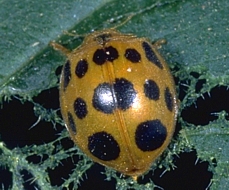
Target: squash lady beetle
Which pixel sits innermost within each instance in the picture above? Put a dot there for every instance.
(118, 100)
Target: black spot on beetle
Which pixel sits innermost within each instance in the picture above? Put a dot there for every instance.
(80, 108)
(81, 68)
(66, 74)
(107, 97)
(71, 123)
(151, 90)
(133, 55)
(106, 54)
(124, 92)
(151, 56)
(103, 99)
(103, 146)
(150, 135)
(169, 99)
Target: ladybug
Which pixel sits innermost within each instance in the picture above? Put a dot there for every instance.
(118, 100)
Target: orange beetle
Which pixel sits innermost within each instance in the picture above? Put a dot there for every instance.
(118, 100)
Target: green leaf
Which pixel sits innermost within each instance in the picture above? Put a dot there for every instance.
(197, 36)
(211, 143)
(26, 63)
